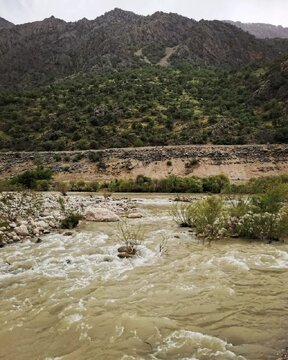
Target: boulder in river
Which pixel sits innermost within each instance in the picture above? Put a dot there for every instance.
(100, 214)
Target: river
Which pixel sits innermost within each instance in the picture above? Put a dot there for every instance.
(72, 298)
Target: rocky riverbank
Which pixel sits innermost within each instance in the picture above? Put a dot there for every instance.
(284, 355)
(238, 162)
(28, 215)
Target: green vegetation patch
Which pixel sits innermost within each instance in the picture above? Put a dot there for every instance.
(148, 106)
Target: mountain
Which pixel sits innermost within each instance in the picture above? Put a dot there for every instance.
(262, 31)
(40, 52)
(150, 105)
(5, 24)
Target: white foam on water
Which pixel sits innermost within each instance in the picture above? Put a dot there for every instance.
(71, 319)
(230, 263)
(77, 259)
(272, 260)
(184, 344)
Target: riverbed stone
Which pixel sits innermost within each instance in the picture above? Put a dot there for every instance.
(124, 255)
(50, 214)
(16, 238)
(100, 214)
(42, 224)
(127, 249)
(22, 230)
(134, 216)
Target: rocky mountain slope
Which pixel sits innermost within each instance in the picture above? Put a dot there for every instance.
(262, 31)
(4, 24)
(40, 52)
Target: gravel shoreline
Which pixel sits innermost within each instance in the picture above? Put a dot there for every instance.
(28, 215)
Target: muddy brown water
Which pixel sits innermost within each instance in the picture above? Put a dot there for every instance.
(71, 298)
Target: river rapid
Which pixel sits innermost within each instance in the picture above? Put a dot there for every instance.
(72, 298)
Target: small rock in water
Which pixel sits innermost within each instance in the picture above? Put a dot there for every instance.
(68, 233)
(38, 241)
(124, 255)
(127, 249)
(108, 259)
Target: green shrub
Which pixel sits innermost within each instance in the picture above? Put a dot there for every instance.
(77, 157)
(260, 185)
(208, 218)
(62, 187)
(29, 178)
(262, 217)
(71, 220)
(42, 185)
(266, 218)
(215, 184)
(95, 156)
(264, 226)
(78, 185)
(191, 163)
(92, 186)
(181, 214)
(57, 157)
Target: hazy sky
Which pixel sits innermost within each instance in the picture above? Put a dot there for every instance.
(268, 11)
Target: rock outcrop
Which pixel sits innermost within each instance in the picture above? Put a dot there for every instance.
(42, 51)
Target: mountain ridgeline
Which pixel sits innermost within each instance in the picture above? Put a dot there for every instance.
(262, 31)
(4, 24)
(40, 52)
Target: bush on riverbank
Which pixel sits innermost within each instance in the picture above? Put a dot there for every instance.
(259, 185)
(71, 220)
(170, 184)
(37, 179)
(40, 179)
(262, 217)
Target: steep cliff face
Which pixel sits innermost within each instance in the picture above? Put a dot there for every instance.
(262, 31)
(217, 43)
(39, 52)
